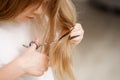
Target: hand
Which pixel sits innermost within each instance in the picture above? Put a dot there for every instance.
(78, 30)
(33, 62)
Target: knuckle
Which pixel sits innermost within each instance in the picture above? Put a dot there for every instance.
(44, 69)
(39, 73)
(78, 25)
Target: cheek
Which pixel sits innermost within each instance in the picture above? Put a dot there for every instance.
(26, 14)
(28, 11)
(21, 18)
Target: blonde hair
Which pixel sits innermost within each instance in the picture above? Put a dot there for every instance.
(61, 14)
(9, 9)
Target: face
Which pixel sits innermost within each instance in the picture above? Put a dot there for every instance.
(29, 14)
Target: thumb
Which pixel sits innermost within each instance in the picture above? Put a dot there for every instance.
(35, 44)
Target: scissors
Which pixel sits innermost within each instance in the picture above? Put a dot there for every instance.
(52, 42)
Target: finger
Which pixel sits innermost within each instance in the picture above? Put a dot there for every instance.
(75, 43)
(44, 69)
(77, 30)
(44, 55)
(38, 73)
(73, 37)
(37, 39)
(32, 47)
(44, 59)
(81, 31)
(76, 40)
(78, 26)
(35, 71)
(75, 33)
(35, 44)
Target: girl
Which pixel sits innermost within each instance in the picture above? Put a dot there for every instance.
(53, 22)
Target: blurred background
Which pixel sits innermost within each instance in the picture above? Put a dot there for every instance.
(97, 57)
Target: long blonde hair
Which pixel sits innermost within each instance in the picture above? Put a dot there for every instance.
(61, 15)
